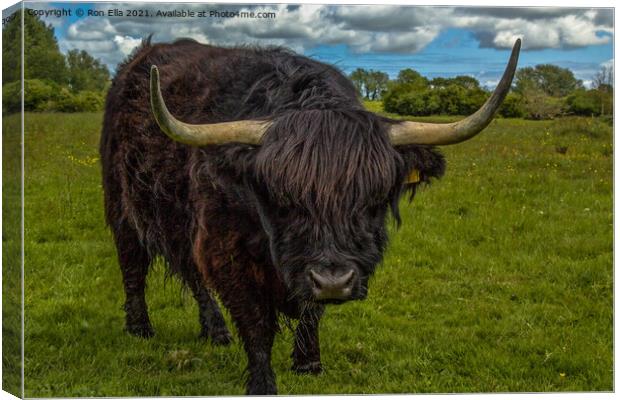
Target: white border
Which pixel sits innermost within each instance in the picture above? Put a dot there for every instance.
(482, 3)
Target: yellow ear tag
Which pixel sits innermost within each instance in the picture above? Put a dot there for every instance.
(413, 177)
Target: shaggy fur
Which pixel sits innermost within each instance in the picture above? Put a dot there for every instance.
(243, 220)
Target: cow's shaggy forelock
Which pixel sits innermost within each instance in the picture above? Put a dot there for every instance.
(331, 163)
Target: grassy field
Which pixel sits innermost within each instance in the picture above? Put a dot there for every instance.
(500, 279)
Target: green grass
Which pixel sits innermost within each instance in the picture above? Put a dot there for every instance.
(500, 279)
(11, 259)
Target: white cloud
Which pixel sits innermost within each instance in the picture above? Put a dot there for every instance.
(410, 42)
(126, 44)
(93, 46)
(608, 64)
(507, 38)
(580, 32)
(402, 29)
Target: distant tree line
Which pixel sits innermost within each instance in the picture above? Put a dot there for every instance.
(413, 94)
(370, 83)
(547, 91)
(52, 81)
(542, 92)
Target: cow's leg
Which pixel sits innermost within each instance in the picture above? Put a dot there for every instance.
(134, 262)
(306, 350)
(255, 318)
(212, 322)
(249, 291)
(257, 335)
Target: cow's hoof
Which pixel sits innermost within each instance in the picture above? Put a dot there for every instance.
(144, 331)
(261, 382)
(312, 367)
(262, 389)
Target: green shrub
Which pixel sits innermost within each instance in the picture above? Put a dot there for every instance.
(538, 105)
(81, 101)
(66, 101)
(11, 97)
(473, 99)
(39, 95)
(414, 103)
(582, 102)
(590, 102)
(451, 100)
(48, 96)
(512, 107)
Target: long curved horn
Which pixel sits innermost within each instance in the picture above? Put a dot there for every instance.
(410, 132)
(247, 131)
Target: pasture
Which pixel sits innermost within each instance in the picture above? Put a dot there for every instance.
(499, 280)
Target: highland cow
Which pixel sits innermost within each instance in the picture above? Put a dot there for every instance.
(273, 192)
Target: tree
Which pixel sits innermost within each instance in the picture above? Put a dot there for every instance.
(604, 79)
(376, 84)
(439, 82)
(406, 95)
(42, 57)
(12, 48)
(86, 72)
(603, 82)
(370, 84)
(466, 82)
(539, 105)
(358, 77)
(51, 81)
(412, 78)
(550, 79)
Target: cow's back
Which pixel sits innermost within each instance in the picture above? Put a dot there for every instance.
(145, 177)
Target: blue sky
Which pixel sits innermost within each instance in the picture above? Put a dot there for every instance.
(436, 41)
(457, 52)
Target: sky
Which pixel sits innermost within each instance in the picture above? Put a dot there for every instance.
(436, 41)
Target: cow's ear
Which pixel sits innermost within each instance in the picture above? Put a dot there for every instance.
(422, 164)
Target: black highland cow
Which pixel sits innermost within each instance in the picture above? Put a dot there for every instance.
(273, 192)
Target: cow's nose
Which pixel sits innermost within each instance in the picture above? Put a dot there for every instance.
(328, 285)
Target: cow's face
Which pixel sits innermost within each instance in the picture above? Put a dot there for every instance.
(324, 182)
(326, 260)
